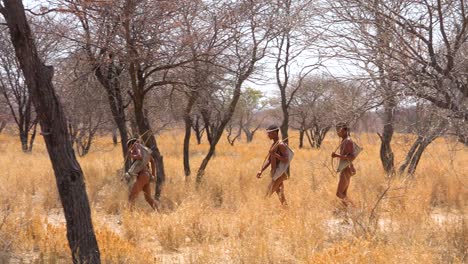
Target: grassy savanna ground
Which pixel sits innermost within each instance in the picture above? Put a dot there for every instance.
(419, 220)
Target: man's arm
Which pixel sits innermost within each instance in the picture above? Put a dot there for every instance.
(347, 151)
(265, 166)
(284, 157)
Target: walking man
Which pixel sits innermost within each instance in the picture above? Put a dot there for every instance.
(279, 158)
(141, 157)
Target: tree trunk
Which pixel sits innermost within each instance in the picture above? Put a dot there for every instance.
(198, 129)
(207, 123)
(33, 136)
(410, 155)
(386, 153)
(188, 133)
(220, 129)
(248, 135)
(285, 125)
(461, 138)
(414, 155)
(186, 151)
(114, 137)
(3, 124)
(417, 157)
(23, 139)
(111, 85)
(229, 134)
(317, 135)
(148, 138)
(68, 173)
(301, 138)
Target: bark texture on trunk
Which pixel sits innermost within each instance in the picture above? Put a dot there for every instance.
(188, 132)
(301, 138)
(386, 153)
(68, 173)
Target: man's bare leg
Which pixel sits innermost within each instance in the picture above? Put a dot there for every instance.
(343, 185)
(135, 190)
(149, 199)
(280, 193)
(278, 187)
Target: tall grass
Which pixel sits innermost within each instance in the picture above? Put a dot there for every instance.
(227, 220)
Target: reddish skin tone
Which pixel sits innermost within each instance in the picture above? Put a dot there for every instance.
(277, 154)
(346, 151)
(143, 179)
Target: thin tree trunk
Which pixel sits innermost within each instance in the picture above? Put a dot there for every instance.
(417, 157)
(309, 138)
(33, 136)
(386, 153)
(150, 141)
(198, 129)
(3, 124)
(188, 133)
(220, 128)
(317, 136)
(111, 85)
(114, 137)
(461, 138)
(68, 173)
(301, 138)
(248, 135)
(186, 150)
(23, 139)
(410, 155)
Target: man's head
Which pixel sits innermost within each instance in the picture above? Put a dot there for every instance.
(342, 129)
(272, 131)
(131, 141)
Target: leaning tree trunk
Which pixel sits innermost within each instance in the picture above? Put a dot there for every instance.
(248, 134)
(68, 173)
(220, 129)
(417, 157)
(111, 85)
(3, 124)
(410, 154)
(414, 155)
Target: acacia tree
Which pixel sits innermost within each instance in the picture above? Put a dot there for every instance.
(245, 117)
(361, 34)
(97, 51)
(205, 30)
(251, 28)
(251, 103)
(419, 51)
(68, 173)
(296, 34)
(83, 103)
(16, 95)
(430, 54)
(153, 51)
(428, 124)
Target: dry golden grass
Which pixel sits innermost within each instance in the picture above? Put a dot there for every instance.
(420, 220)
